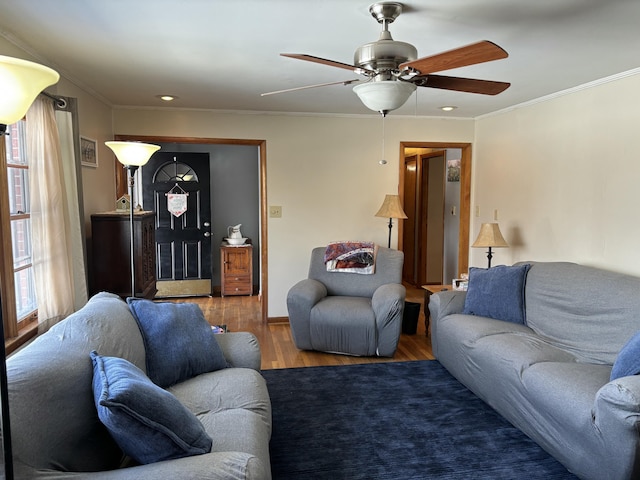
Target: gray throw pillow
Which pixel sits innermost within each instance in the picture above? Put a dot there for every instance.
(178, 341)
(148, 423)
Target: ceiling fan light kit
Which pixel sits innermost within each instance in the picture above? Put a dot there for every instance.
(384, 96)
(393, 71)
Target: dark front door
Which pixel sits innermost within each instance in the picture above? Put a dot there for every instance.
(183, 243)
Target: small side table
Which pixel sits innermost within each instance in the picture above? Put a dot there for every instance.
(428, 291)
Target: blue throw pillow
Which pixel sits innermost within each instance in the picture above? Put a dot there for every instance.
(497, 293)
(628, 360)
(148, 423)
(178, 341)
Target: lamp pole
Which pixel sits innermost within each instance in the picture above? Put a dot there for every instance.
(132, 171)
(390, 227)
(4, 394)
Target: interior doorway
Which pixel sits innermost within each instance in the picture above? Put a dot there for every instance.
(261, 264)
(420, 186)
(424, 202)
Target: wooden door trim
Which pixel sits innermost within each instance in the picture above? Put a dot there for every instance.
(121, 189)
(465, 195)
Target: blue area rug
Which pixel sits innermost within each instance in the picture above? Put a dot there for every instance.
(395, 421)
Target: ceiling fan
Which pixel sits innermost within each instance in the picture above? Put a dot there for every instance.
(392, 70)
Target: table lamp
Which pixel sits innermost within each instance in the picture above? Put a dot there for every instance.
(490, 237)
(391, 208)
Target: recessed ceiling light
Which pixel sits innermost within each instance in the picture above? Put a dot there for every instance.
(166, 98)
(448, 108)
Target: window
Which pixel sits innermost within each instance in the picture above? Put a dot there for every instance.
(175, 172)
(20, 222)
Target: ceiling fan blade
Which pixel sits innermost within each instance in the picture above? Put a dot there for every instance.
(323, 61)
(479, 52)
(469, 85)
(344, 82)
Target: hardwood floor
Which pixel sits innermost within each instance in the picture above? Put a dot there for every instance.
(241, 313)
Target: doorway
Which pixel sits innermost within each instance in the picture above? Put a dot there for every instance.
(413, 237)
(424, 201)
(261, 264)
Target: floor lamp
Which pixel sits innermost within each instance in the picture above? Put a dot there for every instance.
(490, 237)
(132, 155)
(20, 83)
(391, 208)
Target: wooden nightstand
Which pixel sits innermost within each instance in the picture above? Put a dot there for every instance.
(428, 291)
(236, 268)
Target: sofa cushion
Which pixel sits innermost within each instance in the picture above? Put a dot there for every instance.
(589, 311)
(179, 342)
(497, 293)
(628, 360)
(147, 422)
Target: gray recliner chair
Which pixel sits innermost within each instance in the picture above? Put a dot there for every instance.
(349, 313)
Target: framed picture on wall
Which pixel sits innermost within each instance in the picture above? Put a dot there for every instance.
(88, 152)
(453, 170)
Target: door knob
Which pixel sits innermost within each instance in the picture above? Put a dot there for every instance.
(207, 234)
(207, 224)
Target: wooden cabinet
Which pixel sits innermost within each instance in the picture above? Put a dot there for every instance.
(236, 269)
(111, 253)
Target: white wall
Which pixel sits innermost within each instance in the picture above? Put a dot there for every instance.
(322, 170)
(564, 175)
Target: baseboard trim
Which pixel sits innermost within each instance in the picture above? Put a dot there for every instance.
(274, 320)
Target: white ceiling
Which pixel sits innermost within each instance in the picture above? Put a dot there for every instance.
(222, 54)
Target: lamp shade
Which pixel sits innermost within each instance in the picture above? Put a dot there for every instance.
(20, 83)
(490, 236)
(132, 153)
(384, 96)
(391, 208)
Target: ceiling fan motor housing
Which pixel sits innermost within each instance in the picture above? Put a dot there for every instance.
(384, 55)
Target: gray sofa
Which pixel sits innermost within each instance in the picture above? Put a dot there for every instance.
(550, 377)
(56, 431)
(349, 313)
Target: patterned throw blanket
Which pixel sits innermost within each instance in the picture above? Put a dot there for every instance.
(350, 257)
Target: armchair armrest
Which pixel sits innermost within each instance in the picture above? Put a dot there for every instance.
(616, 416)
(210, 466)
(388, 306)
(440, 305)
(241, 349)
(445, 303)
(300, 300)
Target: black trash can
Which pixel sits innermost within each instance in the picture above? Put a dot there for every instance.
(410, 318)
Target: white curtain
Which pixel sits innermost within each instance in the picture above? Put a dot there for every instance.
(64, 121)
(53, 232)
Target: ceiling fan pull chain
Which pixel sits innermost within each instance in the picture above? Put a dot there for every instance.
(382, 160)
